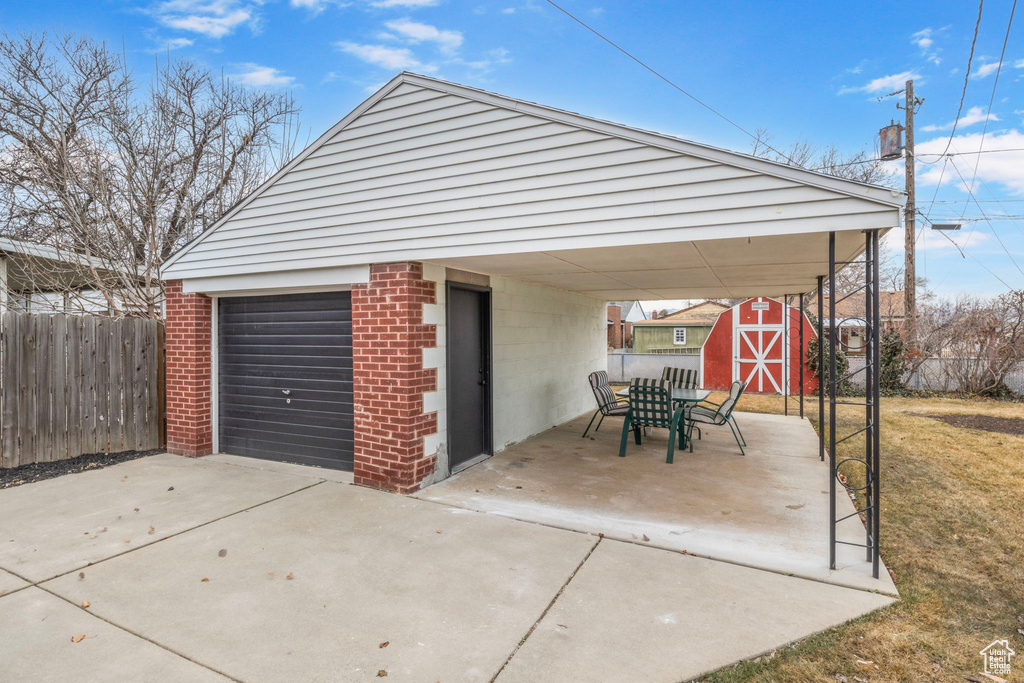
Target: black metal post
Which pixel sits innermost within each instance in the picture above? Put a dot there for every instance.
(869, 383)
(800, 319)
(821, 368)
(876, 464)
(832, 399)
(786, 350)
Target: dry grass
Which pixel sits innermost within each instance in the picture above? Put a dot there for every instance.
(952, 533)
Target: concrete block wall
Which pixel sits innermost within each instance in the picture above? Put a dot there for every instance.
(546, 342)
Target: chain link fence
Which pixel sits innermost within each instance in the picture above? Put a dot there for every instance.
(622, 367)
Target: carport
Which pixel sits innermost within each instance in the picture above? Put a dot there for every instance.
(475, 238)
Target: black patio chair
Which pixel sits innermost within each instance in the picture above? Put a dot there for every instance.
(682, 378)
(650, 405)
(607, 403)
(720, 416)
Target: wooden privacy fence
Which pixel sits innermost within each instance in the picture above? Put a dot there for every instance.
(72, 385)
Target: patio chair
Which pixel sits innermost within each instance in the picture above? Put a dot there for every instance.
(720, 416)
(607, 404)
(735, 391)
(684, 379)
(650, 405)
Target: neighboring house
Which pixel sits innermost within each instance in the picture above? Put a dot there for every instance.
(38, 279)
(758, 342)
(850, 317)
(680, 332)
(427, 283)
(621, 316)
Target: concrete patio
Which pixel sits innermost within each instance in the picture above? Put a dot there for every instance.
(768, 509)
(232, 569)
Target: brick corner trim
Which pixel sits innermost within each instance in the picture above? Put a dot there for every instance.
(388, 335)
(189, 336)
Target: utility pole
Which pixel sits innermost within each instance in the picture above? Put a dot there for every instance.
(909, 219)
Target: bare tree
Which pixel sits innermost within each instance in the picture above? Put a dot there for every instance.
(860, 166)
(117, 176)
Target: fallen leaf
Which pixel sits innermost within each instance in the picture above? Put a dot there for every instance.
(81, 575)
(136, 509)
(645, 537)
(519, 487)
(92, 535)
(438, 531)
(152, 529)
(171, 488)
(290, 576)
(119, 516)
(385, 643)
(77, 639)
(85, 604)
(796, 507)
(972, 679)
(382, 673)
(223, 552)
(204, 579)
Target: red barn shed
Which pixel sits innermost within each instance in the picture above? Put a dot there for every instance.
(758, 341)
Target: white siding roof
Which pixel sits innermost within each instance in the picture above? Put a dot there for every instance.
(430, 170)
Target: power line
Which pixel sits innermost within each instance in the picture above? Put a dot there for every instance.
(714, 111)
(963, 254)
(992, 98)
(995, 233)
(967, 75)
(926, 154)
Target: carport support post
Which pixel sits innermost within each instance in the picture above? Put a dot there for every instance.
(876, 463)
(831, 399)
(800, 318)
(869, 382)
(821, 367)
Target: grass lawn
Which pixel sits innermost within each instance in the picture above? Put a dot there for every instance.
(952, 531)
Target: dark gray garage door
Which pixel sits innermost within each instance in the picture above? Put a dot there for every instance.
(285, 378)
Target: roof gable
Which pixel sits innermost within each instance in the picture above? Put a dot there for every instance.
(428, 169)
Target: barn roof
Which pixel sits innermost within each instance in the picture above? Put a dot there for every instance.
(428, 170)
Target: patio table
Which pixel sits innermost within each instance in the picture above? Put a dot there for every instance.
(688, 397)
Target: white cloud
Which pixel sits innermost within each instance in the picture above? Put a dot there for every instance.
(212, 18)
(262, 76)
(509, 10)
(494, 57)
(1019, 64)
(405, 3)
(883, 84)
(1003, 168)
(974, 115)
(987, 69)
(414, 32)
(925, 40)
(384, 56)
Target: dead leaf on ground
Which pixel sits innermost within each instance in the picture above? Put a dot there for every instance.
(972, 679)
(81, 575)
(438, 531)
(645, 538)
(382, 673)
(119, 516)
(85, 604)
(290, 576)
(136, 509)
(152, 529)
(384, 644)
(77, 639)
(223, 552)
(796, 507)
(204, 579)
(171, 488)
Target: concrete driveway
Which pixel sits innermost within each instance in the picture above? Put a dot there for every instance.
(228, 569)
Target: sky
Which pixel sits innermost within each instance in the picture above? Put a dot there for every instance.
(812, 71)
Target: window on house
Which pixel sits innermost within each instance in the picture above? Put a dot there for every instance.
(680, 335)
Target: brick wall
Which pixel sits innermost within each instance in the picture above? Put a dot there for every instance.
(388, 338)
(189, 328)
